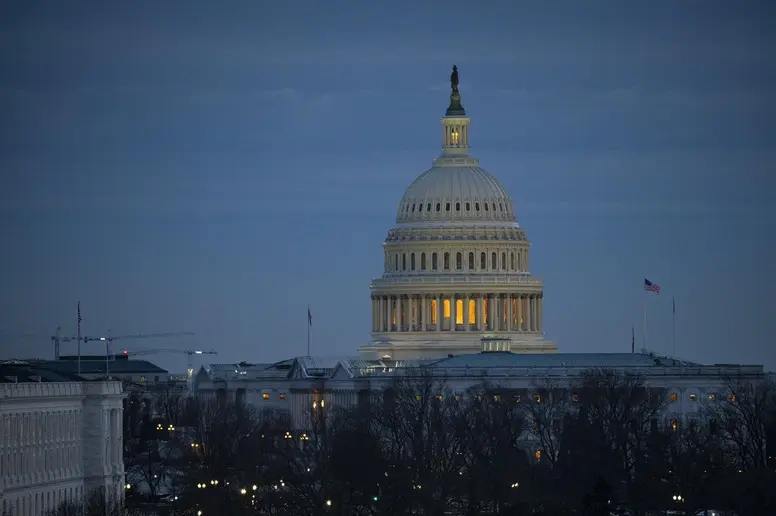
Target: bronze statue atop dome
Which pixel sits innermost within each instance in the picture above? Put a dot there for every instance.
(454, 79)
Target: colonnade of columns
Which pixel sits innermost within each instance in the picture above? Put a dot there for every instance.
(457, 312)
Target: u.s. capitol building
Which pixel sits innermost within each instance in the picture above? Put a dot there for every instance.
(457, 300)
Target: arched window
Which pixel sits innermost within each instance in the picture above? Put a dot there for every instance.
(512, 261)
(428, 207)
(396, 263)
(472, 311)
(439, 206)
(459, 315)
(476, 206)
(404, 262)
(422, 261)
(434, 264)
(447, 261)
(420, 207)
(458, 261)
(458, 206)
(483, 262)
(503, 261)
(519, 264)
(468, 206)
(471, 261)
(493, 261)
(447, 206)
(412, 261)
(434, 311)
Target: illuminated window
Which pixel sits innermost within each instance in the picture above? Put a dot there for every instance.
(142, 378)
(693, 397)
(537, 398)
(485, 311)
(472, 311)
(417, 397)
(433, 311)
(282, 395)
(674, 424)
(712, 397)
(457, 397)
(459, 311)
(446, 308)
(265, 395)
(673, 396)
(731, 397)
(454, 137)
(538, 454)
(440, 397)
(496, 397)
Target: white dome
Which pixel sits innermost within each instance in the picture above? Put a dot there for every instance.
(455, 193)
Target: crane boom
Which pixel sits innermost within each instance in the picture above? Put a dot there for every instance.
(57, 338)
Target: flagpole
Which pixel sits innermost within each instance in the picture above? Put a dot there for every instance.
(308, 330)
(645, 319)
(673, 325)
(79, 337)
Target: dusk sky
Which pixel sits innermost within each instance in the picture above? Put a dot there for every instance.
(215, 167)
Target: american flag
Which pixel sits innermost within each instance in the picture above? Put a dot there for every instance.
(79, 313)
(651, 287)
(309, 317)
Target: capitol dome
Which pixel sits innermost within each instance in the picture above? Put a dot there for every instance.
(456, 276)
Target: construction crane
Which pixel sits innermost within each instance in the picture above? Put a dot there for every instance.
(57, 339)
(189, 352)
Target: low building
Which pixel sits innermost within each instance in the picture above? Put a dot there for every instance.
(119, 367)
(295, 385)
(60, 438)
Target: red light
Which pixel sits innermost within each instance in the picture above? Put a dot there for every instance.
(126, 352)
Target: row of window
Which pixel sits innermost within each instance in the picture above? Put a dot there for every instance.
(486, 207)
(515, 262)
(266, 396)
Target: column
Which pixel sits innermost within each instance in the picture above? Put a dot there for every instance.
(528, 313)
(399, 307)
(440, 313)
(510, 312)
(453, 313)
(466, 299)
(478, 301)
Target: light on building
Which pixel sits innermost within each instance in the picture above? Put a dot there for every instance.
(243, 491)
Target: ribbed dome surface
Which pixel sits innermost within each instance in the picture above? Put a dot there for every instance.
(455, 193)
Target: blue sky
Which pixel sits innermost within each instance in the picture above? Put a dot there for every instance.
(215, 167)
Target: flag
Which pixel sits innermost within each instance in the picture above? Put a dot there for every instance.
(633, 339)
(651, 287)
(309, 317)
(79, 313)
(673, 305)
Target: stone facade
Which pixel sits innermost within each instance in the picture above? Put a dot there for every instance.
(59, 441)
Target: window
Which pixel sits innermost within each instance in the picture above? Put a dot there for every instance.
(282, 395)
(458, 206)
(476, 206)
(516, 398)
(434, 264)
(483, 261)
(265, 395)
(471, 261)
(396, 263)
(413, 208)
(142, 378)
(712, 397)
(422, 261)
(404, 262)
(731, 397)
(493, 262)
(420, 207)
(412, 261)
(693, 397)
(459, 311)
(440, 397)
(447, 206)
(496, 397)
(417, 397)
(428, 207)
(468, 207)
(503, 261)
(447, 261)
(538, 454)
(485, 205)
(433, 311)
(537, 398)
(458, 261)
(512, 261)
(439, 205)
(472, 311)
(457, 397)
(673, 396)
(674, 424)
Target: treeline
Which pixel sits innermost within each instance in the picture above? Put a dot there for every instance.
(609, 445)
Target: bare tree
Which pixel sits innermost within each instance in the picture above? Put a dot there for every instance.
(544, 410)
(741, 417)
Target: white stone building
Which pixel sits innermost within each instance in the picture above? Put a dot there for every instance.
(457, 300)
(59, 439)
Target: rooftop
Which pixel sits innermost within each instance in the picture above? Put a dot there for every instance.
(566, 360)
